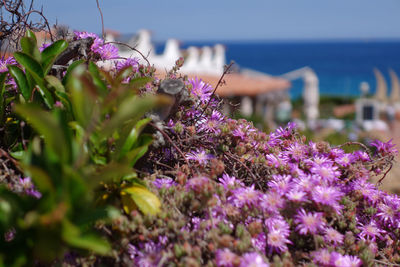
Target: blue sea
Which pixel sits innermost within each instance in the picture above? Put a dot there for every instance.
(340, 65)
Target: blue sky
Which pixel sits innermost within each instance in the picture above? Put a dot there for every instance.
(234, 19)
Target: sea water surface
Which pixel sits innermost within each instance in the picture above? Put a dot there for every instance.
(340, 65)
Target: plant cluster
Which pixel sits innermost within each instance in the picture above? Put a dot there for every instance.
(230, 194)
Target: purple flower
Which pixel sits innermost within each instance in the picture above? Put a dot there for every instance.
(277, 240)
(277, 223)
(5, 62)
(259, 241)
(121, 64)
(346, 159)
(326, 172)
(327, 195)
(107, 51)
(333, 236)
(164, 183)
(252, 259)
(370, 231)
(200, 156)
(200, 89)
(83, 35)
(280, 183)
(225, 258)
(338, 260)
(43, 47)
(296, 195)
(361, 155)
(29, 188)
(296, 152)
(387, 148)
(367, 190)
(229, 181)
(10, 235)
(212, 123)
(244, 196)
(308, 222)
(273, 160)
(388, 210)
(271, 202)
(322, 256)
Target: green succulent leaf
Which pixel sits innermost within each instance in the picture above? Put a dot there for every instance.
(22, 82)
(29, 47)
(71, 69)
(129, 141)
(71, 234)
(2, 90)
(98, 82)
(30, 34)
(30, 64)
(55, 82)
(51, 53)
(47, 126)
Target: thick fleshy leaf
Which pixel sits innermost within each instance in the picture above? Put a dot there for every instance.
(137, 195)
(22, 82)
(135, 154)
(30, 64)
(126, 143)
(50, 54)
(101, 86)
(70, 70)
(47, 126)
(83, 102)
(31, 34)
(55, 82)
(2, 90)
(46, 95)
(129, 111)
(71, 234)
(29, 47)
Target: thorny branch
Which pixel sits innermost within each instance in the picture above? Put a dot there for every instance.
(102, 20)
(15, 19)
(133, 49)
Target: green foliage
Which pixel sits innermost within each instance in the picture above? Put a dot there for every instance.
(84, 136)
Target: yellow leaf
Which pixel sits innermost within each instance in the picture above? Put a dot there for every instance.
(139, 197)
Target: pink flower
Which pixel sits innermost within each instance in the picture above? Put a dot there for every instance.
(333, 236)
(327, 195)
(225, 258)
(200, 156)
(370, 231)
(278, 240)
(107, 51)
(201, 89)
(252, 259)
(308, 222)
(387, 148)
(5, 62)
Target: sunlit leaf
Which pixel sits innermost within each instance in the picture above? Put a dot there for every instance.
(51, 53)
(22, 82)
(29, 47)
(146, 201)
(71, 69)
(30, 64)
